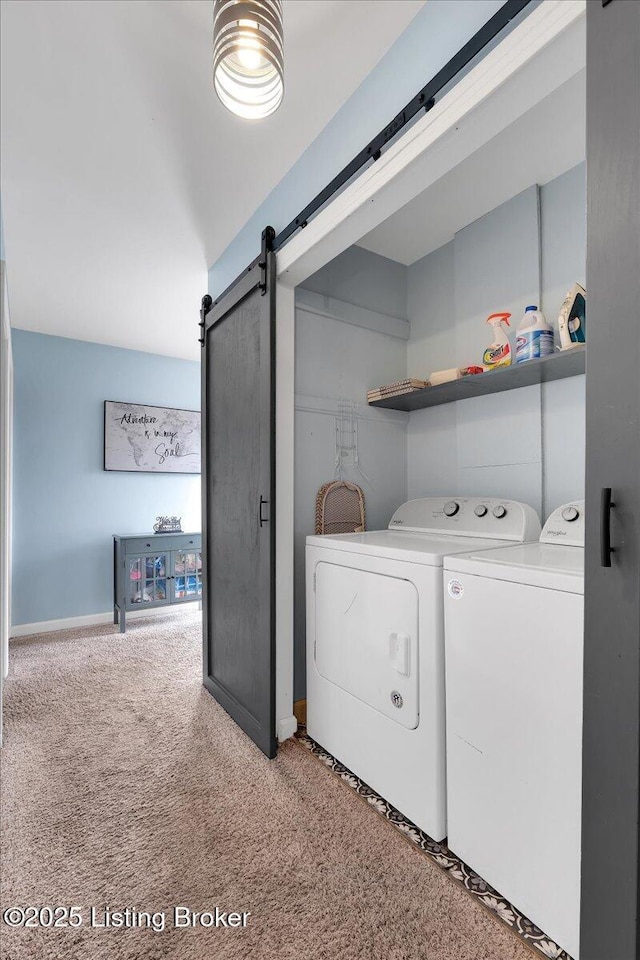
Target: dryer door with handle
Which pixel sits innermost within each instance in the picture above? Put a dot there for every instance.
(367, 638)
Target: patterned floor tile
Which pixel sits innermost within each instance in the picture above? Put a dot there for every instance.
(440, 854)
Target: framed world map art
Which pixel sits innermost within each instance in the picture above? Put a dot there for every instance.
(147, 439)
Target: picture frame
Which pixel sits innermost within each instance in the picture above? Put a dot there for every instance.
(143, 438)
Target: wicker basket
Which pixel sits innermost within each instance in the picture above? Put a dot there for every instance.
(340, 508)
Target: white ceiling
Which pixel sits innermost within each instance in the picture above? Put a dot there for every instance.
(541, 144)
(123, 177)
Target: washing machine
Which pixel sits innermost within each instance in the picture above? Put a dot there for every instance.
(514, 644)
(375, 643)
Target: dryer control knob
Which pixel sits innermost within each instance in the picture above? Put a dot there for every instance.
(480, 510)
(570, 514)
(499, 512)
(451, 508)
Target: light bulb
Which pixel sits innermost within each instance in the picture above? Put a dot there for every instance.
(249, 57)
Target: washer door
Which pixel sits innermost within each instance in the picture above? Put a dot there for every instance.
(367, 638)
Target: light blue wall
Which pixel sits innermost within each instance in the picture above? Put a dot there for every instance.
(435, 34)
(66, 508)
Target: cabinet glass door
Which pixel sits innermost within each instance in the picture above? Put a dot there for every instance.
(187, 574)
(147, 577)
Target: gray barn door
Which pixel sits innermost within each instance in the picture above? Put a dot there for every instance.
(238, 489)
(611, 757)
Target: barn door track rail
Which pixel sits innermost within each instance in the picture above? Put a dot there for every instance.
(423, 100)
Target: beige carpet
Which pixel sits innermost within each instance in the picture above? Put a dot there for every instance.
(125, 785)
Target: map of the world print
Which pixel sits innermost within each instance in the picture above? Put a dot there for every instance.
(151, 439)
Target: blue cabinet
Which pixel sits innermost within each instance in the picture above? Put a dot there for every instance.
(155, 570)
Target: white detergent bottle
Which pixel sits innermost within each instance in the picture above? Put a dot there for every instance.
(534, 338)
(498, 353)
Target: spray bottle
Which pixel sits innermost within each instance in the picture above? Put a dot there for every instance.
(498, 353)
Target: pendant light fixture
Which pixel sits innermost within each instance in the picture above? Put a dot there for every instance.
(248, 56)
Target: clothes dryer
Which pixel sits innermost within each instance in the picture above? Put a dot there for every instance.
(375, 643)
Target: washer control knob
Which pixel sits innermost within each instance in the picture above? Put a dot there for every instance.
(480, 510)
(570, 514)
(499, 512)
(451, 508)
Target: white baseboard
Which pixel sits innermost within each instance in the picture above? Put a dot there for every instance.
(89, 620)
(286, 728)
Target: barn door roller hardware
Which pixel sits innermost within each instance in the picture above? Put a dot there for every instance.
(205, 306)
(257, 267)
(268, 236)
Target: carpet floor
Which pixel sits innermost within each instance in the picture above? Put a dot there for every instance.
(124, 785)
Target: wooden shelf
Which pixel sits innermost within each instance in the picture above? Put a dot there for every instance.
(556, 367)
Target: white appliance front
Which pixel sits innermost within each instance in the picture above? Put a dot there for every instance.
(366, 638)
(375, 644)
(514, 644)
(353, 670)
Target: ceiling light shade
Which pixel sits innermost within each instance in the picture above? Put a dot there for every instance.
(248, 56)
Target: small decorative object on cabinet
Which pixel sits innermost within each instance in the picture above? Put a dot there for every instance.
(168, 525)
(154, 571)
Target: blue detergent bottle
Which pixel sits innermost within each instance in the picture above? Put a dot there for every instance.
(534, 338)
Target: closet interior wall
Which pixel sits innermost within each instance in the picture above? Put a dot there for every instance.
(351, 331)
(527, 444)
(365, 319)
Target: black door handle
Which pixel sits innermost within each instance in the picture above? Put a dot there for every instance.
(606, 505)
(261, 517)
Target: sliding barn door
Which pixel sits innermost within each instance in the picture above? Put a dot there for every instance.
(610, 928)
(238, 484)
